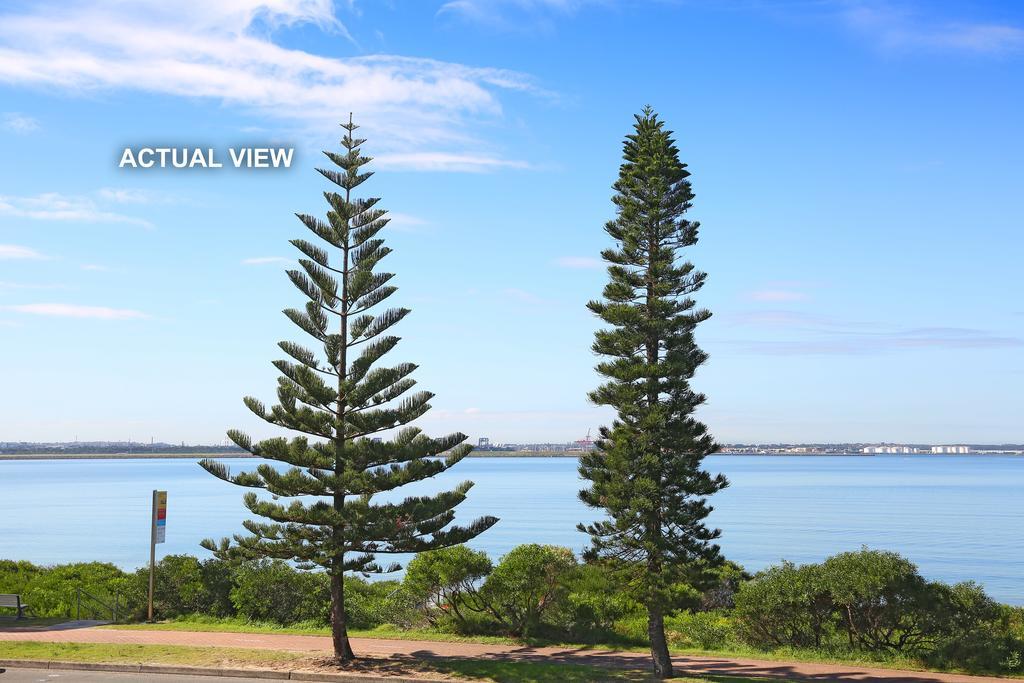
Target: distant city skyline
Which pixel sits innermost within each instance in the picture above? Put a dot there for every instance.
(857, 170)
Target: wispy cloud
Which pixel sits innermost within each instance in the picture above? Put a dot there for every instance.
(14, 251)
(578, 262)
(898, 26)
(798, 333)
(516, 14)
(443, 161)
(264, 260)
(52, 206)
(18, 123)
(76, 311)
(403, 222)
(95, 267)
(127, 195)
(224, 52)
(885, 342)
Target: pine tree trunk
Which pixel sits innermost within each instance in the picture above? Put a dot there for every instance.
(659, 646)
(339, 629)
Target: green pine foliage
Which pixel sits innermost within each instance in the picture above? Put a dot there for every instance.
(646, 470)
(337, 401)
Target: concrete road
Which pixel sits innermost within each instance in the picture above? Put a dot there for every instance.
(43, 676)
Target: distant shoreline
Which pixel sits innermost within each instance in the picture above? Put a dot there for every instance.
(479, 454)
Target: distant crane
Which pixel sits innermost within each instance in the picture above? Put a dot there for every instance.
(585, 444)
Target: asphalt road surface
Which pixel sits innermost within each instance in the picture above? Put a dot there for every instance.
(44, 676)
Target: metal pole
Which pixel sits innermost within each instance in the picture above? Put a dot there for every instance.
(152, 555)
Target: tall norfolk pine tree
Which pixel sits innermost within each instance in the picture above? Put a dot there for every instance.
(341, 399)
(646, 469)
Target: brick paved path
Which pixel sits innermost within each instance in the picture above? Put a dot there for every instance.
(427, 649)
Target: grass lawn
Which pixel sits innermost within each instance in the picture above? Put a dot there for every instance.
(149, 654)
(876, 660)
(484, 671)
(239, 626)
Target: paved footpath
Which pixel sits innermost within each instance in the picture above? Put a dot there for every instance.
(418, 649)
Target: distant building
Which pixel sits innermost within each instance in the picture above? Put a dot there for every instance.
(957, 450)
(901, 450)
(484, 442)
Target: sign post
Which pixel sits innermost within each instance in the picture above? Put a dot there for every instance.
(157, 534)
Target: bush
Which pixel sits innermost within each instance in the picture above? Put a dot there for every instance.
(594, 600)
(785, 605)
(703, 630)
(53, 591)
(15, 576)
(178, 586)
(878, 602)
(184, 585)
(528, 582)
(987, 636)
(272, 590)
(444, 584)
(369, 604)
(719, 591)
(885, 604)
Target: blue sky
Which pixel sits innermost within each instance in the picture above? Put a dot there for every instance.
(857, 165)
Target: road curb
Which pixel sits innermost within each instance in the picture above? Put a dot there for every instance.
(270, 674)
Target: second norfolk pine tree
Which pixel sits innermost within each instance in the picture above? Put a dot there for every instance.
(337, 399)
(646, 473)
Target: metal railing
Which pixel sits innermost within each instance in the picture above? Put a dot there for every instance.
(95, 606)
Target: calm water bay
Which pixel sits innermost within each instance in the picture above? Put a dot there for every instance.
(958, 518)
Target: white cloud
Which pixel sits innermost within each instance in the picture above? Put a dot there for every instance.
(13, 251)
(578, 262)
(516, 14)
(94, 267)
(18, 123)
(443, 161)
(223, 52)
(403, 222)
(52, 206)
(126, 195)
(264, 260)
(801, 334)
(75, 311)
(895, 27)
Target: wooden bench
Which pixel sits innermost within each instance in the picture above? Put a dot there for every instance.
(14, 602)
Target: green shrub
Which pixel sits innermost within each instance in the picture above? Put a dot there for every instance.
(528, 582)
(16, 576)
(785, 605)
(987, 637)
(53, 592)
(369, 604)
(720, 585)
(703, 630)
(885, 604)
(877, 602)
(632, 628)
(594, 600)
(273, 590)
(178, 586)
(444, 583)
